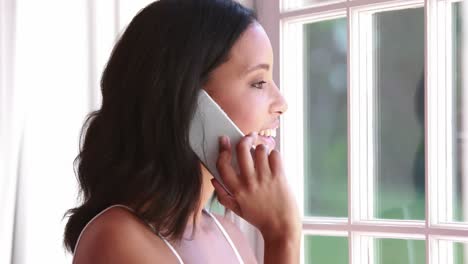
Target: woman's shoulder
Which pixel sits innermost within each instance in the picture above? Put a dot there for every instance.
(119, 236)
(238, 238)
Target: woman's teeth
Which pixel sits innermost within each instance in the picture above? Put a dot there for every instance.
(268, 133)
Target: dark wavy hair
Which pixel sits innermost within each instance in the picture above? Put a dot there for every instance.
(134, 150)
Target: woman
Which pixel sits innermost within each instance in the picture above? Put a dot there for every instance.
(143, 188)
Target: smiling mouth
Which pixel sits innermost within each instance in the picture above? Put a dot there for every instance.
(270, 132)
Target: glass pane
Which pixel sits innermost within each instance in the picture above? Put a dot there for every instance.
(460, 251)
(321, 249)
(391, 251)
(215, 206)
(399, 113)
(460, 186)
(325, 119)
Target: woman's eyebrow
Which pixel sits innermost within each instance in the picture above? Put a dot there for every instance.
(256, 67)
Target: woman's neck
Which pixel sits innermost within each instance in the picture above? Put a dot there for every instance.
(207, 190)
(206, 193)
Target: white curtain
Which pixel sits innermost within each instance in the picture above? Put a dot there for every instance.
(52, 53)
(51, 57)
(10, 130)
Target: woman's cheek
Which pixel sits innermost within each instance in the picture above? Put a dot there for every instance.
(248, 122)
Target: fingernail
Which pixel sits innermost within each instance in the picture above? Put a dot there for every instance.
(222, 140)
(213, 181)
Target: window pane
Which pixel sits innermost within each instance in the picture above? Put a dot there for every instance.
(391, 251)
(321, 249)
(399, 113)
(459, 253)
(460, 202)
(325, 119)
(215, 206)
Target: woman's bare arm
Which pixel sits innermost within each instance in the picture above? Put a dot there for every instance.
(119, 237)
(282, 250)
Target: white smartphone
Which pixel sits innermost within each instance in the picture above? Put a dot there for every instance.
(209, 123)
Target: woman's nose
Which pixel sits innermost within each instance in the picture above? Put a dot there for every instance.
(280, 105)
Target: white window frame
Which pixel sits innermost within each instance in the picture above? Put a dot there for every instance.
(283, 27)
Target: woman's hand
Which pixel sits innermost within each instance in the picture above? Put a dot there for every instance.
(261, 194)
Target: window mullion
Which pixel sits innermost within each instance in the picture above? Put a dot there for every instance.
(370, 104)
(292, 148)
(353, 129)
(357, 149)
(439, 104)
(439, 125)
(357, 137)
(430, 104)
(449, 110)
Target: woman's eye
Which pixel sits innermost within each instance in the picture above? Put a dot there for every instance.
(259, 85)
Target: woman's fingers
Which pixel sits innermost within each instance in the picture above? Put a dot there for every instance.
(260, 192)
(244, 157)
(227, 173)
(262, 166)
(274, 160)
(253, 163)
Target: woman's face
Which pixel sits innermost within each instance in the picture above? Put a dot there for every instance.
(244, 87)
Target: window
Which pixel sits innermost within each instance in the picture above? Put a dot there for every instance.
(374, 141)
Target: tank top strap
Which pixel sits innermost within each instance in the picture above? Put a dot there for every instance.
(96, 216)
(226, 235)
(172, 249)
